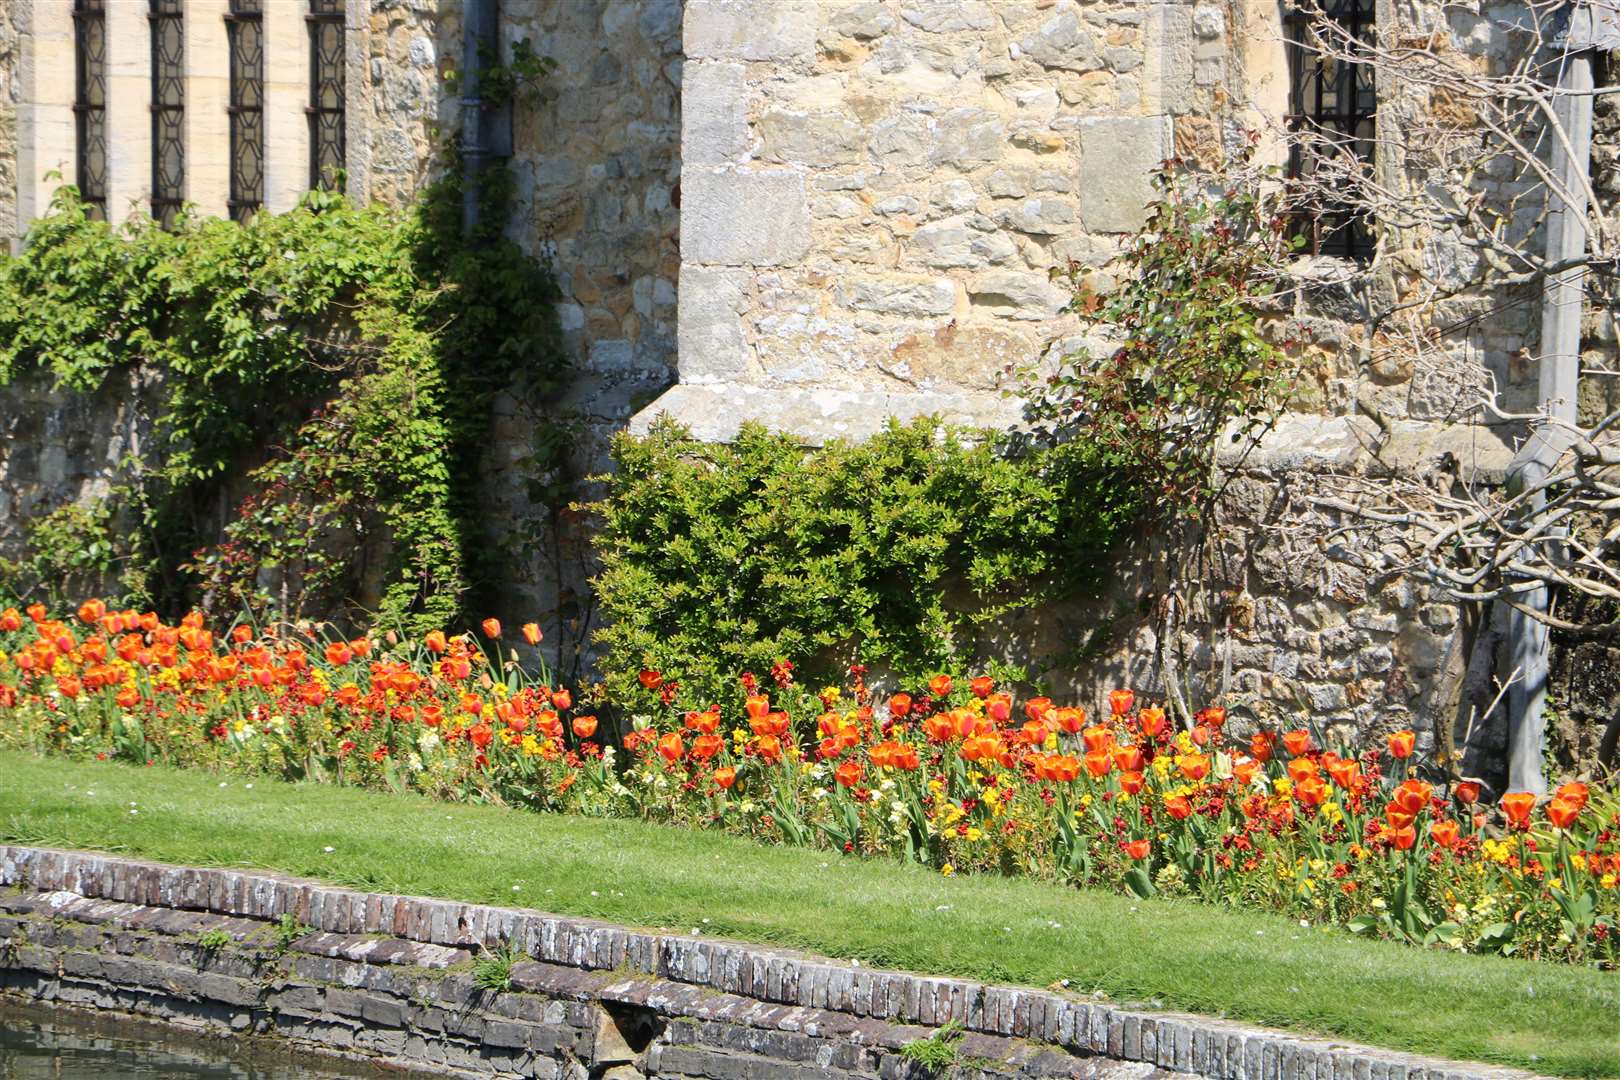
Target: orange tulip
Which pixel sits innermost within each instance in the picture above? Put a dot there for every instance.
(1467, 792)
(982, 686)
(755, 705)
(1260, 746)
(998, 707)
(1211, 716)
(1297, 742)
(705, 747)
(980, 747)
(1562, 813)
(939, 686)
(1138, 849)
(1097, 737)
(1131, 782)
(1575, 793)
(1036, 708)
(1403, 838)
(650, 680)
(899, 706)
(338, 654)
(1301, 769)
(1120, 702)
(1243, 771)
(562, 699)
(1178, 807)
(849, 774)
(10, 620)
(1034, 732)
(1151, 722)
(1311, 791)
(1195, 766)
(1412, 796)
(1099, 763)
(1345, 772)
(768, 747)
(725, 777)
(670, 747)
(1070, 720)
(531, 633)
(436, 642)
(1397, 818)
(91, 611)
(1401, 743)
(492, 628)
(1444, 833)
(584, 726)
(36, 612)
(1129, 759)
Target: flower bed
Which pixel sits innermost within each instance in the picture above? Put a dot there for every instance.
(958, 776)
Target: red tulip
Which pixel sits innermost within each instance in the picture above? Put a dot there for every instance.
(1138, 849)
(1466, 792)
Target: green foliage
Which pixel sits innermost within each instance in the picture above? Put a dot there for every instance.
(493, 970)
(937, 1052)
(365, 343)
(1190, 357)
(718, 559)
(77, 550)
(213, 940)
(288, 930)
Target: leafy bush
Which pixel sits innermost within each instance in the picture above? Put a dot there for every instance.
(725, 558)
(365, 343)
(1190, 358)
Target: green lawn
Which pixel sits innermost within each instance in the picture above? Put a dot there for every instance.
(1260, 968)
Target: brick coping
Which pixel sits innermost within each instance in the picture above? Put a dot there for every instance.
(1203, 1046)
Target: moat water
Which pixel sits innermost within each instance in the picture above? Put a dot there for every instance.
(46, 1044)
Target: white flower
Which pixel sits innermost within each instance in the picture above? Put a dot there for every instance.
(428, 742)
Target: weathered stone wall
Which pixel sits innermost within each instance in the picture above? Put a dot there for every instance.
(10, 93)
(875, 193)
(390, 978)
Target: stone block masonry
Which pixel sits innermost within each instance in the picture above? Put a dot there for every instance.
(392, 979)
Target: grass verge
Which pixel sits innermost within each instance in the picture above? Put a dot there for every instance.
(1179, 955)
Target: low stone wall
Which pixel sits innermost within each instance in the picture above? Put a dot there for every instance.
(392, 979)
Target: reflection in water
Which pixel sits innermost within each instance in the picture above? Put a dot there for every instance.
(40, 1044)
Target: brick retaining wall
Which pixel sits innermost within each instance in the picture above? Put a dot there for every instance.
(391, 978)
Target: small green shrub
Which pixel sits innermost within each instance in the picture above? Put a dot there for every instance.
(493, 970)
(937, 1052)
(213, 940)
(289, 930)
(718, 559)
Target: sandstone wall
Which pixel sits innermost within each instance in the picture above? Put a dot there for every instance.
(10, 93)
(390, 979)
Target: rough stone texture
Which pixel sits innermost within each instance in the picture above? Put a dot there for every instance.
(744, 217)
(10, 92)
(390, 978)
(941, 152)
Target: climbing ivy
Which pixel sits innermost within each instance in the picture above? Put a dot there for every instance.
(362, 345)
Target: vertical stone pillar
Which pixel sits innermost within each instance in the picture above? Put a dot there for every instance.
(45, 128)
(208, 97)
(286, 95)
(129, 115)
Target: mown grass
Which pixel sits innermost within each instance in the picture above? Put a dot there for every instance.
(1177, 955)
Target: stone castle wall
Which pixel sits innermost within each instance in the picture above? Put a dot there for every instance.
(391, 979)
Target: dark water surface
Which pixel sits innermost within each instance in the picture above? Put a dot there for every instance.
(55, 1044)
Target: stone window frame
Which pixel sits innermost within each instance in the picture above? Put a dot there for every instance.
(1343, 104)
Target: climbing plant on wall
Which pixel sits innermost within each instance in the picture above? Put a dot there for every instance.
(361, 345)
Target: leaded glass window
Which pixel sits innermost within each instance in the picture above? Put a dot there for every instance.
(326, 91)
(1335, 102)
(168, 109)
(244, 30)
(90, 104)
